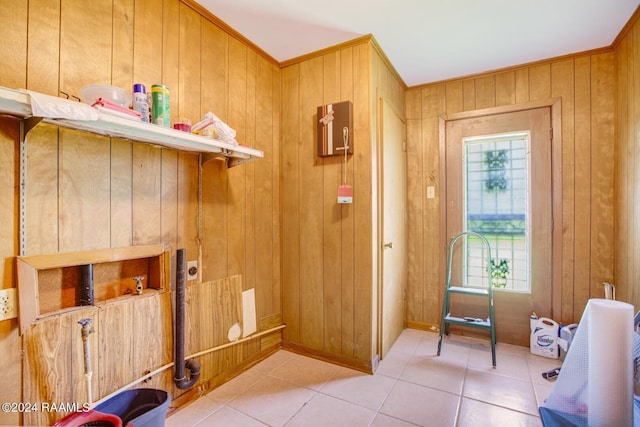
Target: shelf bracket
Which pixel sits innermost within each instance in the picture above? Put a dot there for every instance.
(30, 123)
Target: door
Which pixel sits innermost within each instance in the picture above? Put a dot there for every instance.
(498, 183)
(393, 234)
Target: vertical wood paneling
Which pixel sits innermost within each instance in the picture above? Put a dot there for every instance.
(169, 199)
(506, 88)
(626, 183)
(13, 15)
(311, 209)
(563, 84)
(121, 193)
(147, 50)
(188, 211)
(347, 243)
(85, 60)
(622, 166)
(249, 268)
(363, 210)
(122, 44)
(9, 247)
(146, 195)
(189, 65)
(586, 204)
(85, 191)
(415, 219)
(602, 171)
(290, 171)
(236, 211)
(114, 323)
(170, 53)
(332, 216)
(42, 190)
(264, 188)
(214, 97)
(539, 82)
(485, 92)
(582, 178)
(44, 46)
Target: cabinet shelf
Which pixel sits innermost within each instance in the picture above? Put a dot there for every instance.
(17, 103)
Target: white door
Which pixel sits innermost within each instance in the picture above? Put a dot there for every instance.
(394, 228)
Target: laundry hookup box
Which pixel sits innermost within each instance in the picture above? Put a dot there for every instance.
(544, 337)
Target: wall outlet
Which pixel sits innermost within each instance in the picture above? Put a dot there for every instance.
(8, 304)
(192, 270)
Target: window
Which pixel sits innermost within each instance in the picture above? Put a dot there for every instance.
(496, 194)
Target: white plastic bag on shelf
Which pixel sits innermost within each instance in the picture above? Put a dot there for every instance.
(211, 126)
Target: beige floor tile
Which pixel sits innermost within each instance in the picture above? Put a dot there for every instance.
(499, 390)
(407, 342)
(393, 364)
(383, 420)
(272, 400)
(323, 411)
(412, 386)
(305, 371)
(193, 413)
(359, 388)
(506, 364)
(479, 414)
(434, 372)
(236, 386)
(228, 417)
(455, 350)
(274, 361)
(421, 405)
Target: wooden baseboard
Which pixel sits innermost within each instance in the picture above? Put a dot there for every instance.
(348, 362)
(423, 326)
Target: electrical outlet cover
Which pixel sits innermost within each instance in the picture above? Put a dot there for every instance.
(8, 304)
(190, 265)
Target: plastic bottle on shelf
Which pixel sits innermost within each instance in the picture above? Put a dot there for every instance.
(140, 103)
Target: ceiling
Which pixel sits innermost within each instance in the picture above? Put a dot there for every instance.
(431, 40)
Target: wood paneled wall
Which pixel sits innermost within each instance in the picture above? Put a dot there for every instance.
(86, 192)
(586, 86)
(328, 249)
(627, 234)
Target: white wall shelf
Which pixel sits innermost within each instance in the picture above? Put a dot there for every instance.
(17, 103)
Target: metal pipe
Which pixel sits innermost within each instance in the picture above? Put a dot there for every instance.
(180, 377)
(241, 340)
(86, 330)
(86, 284)
(171, 364)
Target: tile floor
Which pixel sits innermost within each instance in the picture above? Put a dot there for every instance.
(411, 387)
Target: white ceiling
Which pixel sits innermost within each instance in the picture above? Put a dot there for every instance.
(431, 40)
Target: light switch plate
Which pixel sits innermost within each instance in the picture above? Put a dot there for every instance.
(8, 304)
(431, 192)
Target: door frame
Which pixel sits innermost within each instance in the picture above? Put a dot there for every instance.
(381, 100)
(555, 105)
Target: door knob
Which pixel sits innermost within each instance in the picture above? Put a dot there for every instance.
(388, 245)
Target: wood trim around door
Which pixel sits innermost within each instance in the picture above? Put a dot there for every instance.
(555, 104)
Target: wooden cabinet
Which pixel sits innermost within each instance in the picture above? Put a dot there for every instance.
(49, 284)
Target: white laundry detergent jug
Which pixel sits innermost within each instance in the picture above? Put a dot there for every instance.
(544, 337)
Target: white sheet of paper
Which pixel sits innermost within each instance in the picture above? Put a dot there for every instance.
(248, 312)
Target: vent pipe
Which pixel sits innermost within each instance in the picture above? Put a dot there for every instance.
(181, 380)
